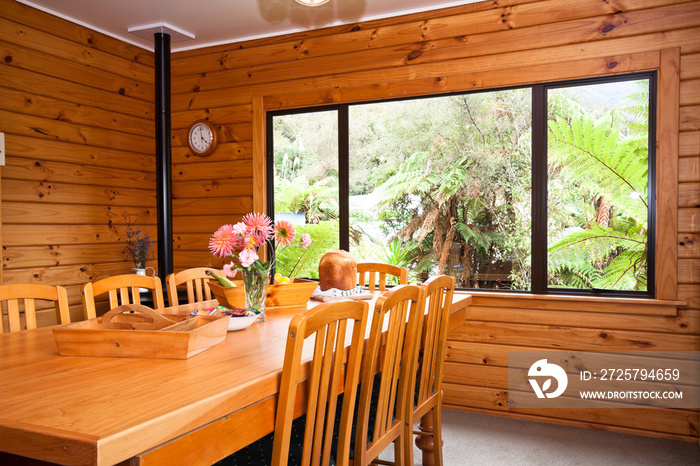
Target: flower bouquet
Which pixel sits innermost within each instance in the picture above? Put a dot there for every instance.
(242, 242)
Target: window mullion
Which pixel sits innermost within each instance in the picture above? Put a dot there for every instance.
(539, 189)
(344, 177)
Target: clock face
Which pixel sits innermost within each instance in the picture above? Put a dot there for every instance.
(201, 138)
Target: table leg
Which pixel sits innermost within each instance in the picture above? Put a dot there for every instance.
(425, 442)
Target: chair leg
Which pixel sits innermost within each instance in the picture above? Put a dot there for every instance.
(437, 434)
(399, 449)
(408, 443)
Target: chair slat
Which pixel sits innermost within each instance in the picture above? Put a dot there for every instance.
(370, 272)
(119, 288)
(24, 316)
(195, 281)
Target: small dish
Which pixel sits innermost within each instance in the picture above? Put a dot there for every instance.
(239, 323)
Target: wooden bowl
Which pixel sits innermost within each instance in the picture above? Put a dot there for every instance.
(296, 293)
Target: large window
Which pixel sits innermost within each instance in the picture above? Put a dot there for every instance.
(543, 188)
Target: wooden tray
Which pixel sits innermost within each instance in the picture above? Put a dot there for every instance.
(144, 333)
(296, 293)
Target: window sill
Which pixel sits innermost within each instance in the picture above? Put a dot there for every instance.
(575, 303)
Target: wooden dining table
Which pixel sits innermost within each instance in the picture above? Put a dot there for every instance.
(103, 411)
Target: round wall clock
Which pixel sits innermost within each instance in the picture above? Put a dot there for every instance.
(201, 138)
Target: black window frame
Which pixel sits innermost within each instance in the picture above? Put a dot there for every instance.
(538, 251)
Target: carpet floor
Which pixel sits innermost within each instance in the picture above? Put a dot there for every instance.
(480, 439)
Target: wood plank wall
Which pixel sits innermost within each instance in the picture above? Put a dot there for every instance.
(76, 108)
(483, 45)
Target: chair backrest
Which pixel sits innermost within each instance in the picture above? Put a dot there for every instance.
(369, 272)
(119, 288)
(28, 293)
(328, 323)
(438, 292)
(396, 320)
(196, 282)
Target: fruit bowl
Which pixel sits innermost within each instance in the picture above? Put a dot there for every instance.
(296, 293)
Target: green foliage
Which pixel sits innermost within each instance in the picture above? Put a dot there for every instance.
(298, 262)
(601, 169)
(317, 201)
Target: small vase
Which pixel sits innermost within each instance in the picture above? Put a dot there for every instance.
(255, 287)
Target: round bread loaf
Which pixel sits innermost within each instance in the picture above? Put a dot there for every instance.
(337, 269)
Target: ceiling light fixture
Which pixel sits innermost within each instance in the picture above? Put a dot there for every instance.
(312, 2)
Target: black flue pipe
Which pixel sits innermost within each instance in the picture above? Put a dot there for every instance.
(163, 155)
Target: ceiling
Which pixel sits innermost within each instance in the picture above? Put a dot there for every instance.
(213, 22)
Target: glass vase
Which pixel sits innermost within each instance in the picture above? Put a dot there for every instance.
(255, 287)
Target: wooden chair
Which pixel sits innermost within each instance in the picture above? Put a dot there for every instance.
(429, 364)
(118, 288)
(328, 325)
(196, 282)
(368, 272)
(396, 320)
(28, 293)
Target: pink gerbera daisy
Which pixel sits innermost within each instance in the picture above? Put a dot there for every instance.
(259, 227)
(223, 241)
(284, 232)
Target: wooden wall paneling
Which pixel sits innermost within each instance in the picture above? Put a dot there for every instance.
(51, 129)
(690, 66)
(426, 26)
(689, 245)
(689, 169)
(690, 293)
(225, 151)
(43, 150)
(18, 257)
(690, 118)
(35, 170)
(199, 258)
(66, 234)
(232, 206)
(20, 101)
(491, 355)
(689, 220)
(43, 63)
(194, 99)
(78, 119)
(77, 214)
(502, 38)
(573, 338)
(689, 144)
(206, 225)
(217, 115)
(690, 92)
(502, 58)
(225, 170)
(678, 424)
(49, 86)
(667, 175)
(689, 195)
(681, 323)
(689, 271)
(66, 275)
(69, 50)
(58, 27)
(65, 193)
(213, 188)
